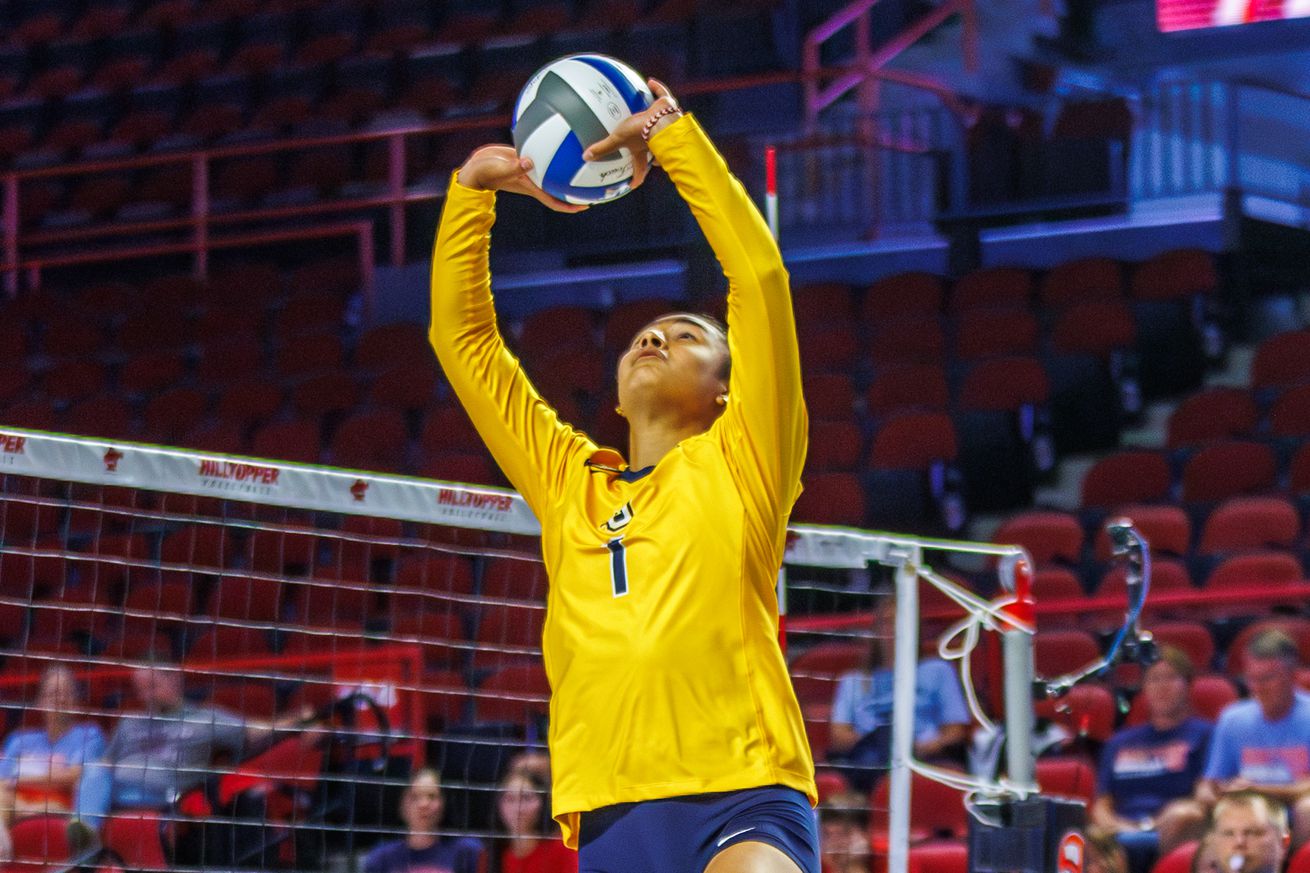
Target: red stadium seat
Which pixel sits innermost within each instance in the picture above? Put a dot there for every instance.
(829, 396)
(548, 330)
(1290, 414)
(392, 345)
(443, 698)
(1213, 414)
(1175, 274)
(913, 441)
(514, 694)
(816, 671)
(312, 353)
(1136, 476)
(939, 856)
(309, 312)
(371, 440)
(1086, 711)
(835, 446)
(912, 339)
(449, 429)
(215, 642)
(334, 391)
(1005, 384)
(276, 550)
(1254, 569)
(1098, 327)
(1241, 523)
(1080, 281)
(995, 331)
(902, 295)
(73, 339)
(823, 301)
(103, 416)
(1295, 627)
(1300, 861)
(249, 401)
(137, 837)
(828, 348)
(473, 468)
(228, 362)
(407, 388)
(247, 598)
(445, 574)
(71, 381)
(992, 286)
(1056, 583)
(1167, 529)
(247, 699)
(1177, 861)
(433, 624)
(908, 386)
(1048, 535)
(201, 545)
(40, 842)
(1067, 777)
(1167, 574)
(294, 440)
(1192, 637)
(514, 579)
(625, 319)
(1209, 695)
(1061, 651)
(1227, 469)
(1299, 473)
(151, 374)
(336, 596)
(936, 810)
(1282, 361)
(508, 632)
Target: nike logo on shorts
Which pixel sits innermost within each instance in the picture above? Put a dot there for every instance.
(733, 834)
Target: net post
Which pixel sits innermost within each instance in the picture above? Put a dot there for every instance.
(1017, 651)
(905, 664)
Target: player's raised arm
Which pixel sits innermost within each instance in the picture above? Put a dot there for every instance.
(765, 409)
(522, 431)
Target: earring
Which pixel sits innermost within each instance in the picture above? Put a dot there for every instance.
(620, 412)
(722, 400)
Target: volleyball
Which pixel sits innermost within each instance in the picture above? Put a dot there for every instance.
(567, 105)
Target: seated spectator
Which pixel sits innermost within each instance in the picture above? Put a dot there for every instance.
(534, 844)
(1206, 859)
(1263, 744)
(844, 835)
(1249, 833)
(40, 768)
(1148, 773)
(1104, 853)
(424, 850)
(862, 707)
(169, 729)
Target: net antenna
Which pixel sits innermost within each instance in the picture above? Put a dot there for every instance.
(1130, 642)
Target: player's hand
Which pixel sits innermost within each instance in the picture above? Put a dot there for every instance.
(499, 168)
(628, 133)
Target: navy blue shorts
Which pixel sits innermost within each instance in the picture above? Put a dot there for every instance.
(683, 834)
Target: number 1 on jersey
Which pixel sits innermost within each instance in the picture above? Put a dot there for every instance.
(618, 566)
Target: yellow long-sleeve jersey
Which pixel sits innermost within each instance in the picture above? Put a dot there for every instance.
(660, 639)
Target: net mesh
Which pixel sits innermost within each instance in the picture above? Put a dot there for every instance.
(272, 652)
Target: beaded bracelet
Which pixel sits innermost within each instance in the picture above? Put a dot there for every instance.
(654, 119)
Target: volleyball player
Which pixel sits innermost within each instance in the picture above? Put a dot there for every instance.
(676, 739)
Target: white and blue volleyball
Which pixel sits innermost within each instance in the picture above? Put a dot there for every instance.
(566, 106)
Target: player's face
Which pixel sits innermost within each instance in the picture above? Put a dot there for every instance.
(1166, 690)
(422, 806)
(520, 807)
(1272, 682)
(674, 362)
(58, 691)
(1246, 831)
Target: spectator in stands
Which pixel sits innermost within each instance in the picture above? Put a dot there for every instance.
(1148, 773)
(1105, 854)
(1263, 744)
(844, 834)
(424, 850)
(860, 734)
(162, 752)
(40, 768)
(533, 844)
(1206, 857)
(1249, 833)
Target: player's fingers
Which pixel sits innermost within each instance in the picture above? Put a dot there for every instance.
(553, 202)
(661, 91)
(601, 147)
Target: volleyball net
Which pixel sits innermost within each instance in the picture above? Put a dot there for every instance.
(271, 651)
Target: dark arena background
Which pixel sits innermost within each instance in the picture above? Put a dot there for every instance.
(265, 591)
